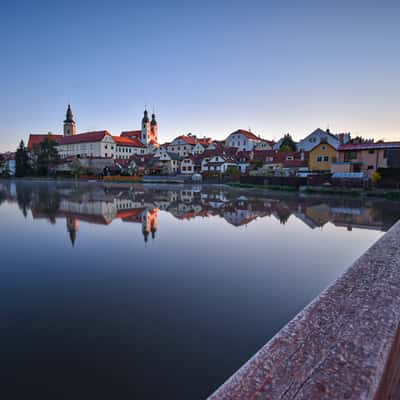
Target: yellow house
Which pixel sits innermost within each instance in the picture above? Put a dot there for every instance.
(322, 157)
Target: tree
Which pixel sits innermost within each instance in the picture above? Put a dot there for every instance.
(376, 177)
(22, 167)
(288, 144)
(77, 169)
(46, 156)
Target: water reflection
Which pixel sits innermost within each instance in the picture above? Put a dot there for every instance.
(137, 291)
(140, 205)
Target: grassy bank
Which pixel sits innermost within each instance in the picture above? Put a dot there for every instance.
(268, 187)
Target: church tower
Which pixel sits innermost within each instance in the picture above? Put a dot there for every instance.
(69, 123)
(154, 129)
(145, 128)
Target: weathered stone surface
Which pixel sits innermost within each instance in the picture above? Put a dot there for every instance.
(338, 347)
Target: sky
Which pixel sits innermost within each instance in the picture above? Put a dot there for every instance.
(206, 67)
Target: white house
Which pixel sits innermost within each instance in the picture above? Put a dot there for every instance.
(318, 136)
(243, 140)
(126, 147)
(89, 144)
(218, 164)
(182, 145)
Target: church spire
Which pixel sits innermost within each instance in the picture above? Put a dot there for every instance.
(145, 116)
(69, 116)
(69, 123)
(153, 119)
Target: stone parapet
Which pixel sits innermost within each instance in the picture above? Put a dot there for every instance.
(343, 345)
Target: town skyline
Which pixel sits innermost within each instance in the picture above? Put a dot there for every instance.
(297, 68)
(163, 138)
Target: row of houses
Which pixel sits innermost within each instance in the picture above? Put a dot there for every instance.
(139, 150)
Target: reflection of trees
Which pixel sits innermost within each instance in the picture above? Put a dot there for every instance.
(2, 197)
(24, 198)
(48, 203)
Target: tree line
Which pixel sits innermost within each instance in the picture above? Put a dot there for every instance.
(41, 161)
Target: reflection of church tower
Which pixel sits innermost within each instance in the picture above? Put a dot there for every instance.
(69, 123)
(150, 223)
(72, 227)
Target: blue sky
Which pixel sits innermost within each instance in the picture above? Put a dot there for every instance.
(208, 67)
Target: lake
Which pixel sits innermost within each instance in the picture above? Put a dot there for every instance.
(151, 292)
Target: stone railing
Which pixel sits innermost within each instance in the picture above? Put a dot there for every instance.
(343, 345)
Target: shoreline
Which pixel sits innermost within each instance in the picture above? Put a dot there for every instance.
(302, 191)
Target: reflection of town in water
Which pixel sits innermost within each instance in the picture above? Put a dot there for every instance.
(141, 205)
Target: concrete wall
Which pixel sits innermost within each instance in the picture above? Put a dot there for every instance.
(344, 345)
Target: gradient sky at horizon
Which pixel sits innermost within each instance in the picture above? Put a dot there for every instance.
(208, 67)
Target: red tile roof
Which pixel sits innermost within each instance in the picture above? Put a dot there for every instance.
(248, 134)
(128, 141)
(369, 146)
(130, 134)
(188, 139)
(35, 140)
(86, 137)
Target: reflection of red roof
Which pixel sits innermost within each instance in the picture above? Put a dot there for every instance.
(35, 140)
(86, 137)
(126, 141)
(370, 146)
(134, 215)
(132, 134)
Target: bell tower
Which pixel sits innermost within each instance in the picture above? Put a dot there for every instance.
(69, 123)
(145, 128)
(154, 129)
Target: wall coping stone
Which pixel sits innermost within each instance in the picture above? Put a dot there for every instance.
(338, 346)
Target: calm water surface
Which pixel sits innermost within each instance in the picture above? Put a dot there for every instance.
(150, 293)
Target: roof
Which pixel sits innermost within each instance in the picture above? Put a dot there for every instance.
(86, 137)
(128, 141)
(174, 156)
(188, 139)
(130, 134)
(370, 146)
(248, 134)
(35, 140)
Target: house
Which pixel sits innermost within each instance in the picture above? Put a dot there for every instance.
(182, 145)
(367, 157)
(264, 144)
(281, 162)
(127, 146)
(243, 140)
(321, 157)
(88, 144)
(243, 159)
(191, 165)
(7, 164)
(36, 139)
(218, 163)
(189, 144)
(318, 136)
(170, 162)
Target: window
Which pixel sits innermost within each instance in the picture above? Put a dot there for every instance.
(105, 155)
(385, 153)
(350, 155)
(323, 147)
(370, 167)
(371, 152)
(326, 158)
(106, 147)
(319, 159)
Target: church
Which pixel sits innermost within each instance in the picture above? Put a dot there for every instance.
(102, 144)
